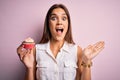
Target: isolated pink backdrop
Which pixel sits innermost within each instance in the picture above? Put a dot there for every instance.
(92, 21)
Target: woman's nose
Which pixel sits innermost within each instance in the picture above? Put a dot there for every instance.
(59, 22)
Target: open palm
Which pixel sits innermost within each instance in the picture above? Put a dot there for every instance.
(92, 51)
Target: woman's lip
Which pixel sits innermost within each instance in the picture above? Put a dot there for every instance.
(59, 30)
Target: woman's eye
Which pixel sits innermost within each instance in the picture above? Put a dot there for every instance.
(64, 18)
(53, 18)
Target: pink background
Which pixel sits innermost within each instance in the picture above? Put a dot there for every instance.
(92, 20)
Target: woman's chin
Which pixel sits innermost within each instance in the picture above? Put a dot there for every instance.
(59, 38)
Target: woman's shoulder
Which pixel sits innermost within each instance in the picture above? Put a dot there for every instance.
(79, 53)
(79, 48)
(41, 45)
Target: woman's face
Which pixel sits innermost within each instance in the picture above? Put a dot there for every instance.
(58, 24)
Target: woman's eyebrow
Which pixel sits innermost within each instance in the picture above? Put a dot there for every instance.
(52, 14)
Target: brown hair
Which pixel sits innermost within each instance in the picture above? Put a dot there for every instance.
(46, 33)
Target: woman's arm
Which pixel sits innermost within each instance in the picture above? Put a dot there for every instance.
(31, 71)
(86, 71)
(85, 57)
(83, 71)
(30, 74)
(27, 56)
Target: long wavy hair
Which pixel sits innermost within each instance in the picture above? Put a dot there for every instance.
(47, 34)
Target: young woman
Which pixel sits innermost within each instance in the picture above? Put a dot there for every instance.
(57, 57)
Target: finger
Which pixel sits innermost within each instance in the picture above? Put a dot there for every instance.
(99, 45)
(100, 49)
(22, 53)
(20, 49)
(89, 46)
(21, 56)
(26, 53)
(96, 53)
(96, 44)
(30, 51)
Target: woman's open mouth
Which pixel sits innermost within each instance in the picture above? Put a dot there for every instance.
(59, 30)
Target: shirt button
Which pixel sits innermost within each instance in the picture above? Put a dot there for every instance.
(55, 73)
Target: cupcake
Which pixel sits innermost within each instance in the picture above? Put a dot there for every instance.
(28, 43)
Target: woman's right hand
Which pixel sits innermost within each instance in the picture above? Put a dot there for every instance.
(27, 56)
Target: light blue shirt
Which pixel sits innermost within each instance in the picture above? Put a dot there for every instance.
(63, 67)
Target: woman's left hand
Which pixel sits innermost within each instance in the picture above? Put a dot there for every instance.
(92, 51)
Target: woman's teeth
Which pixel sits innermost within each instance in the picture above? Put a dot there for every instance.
(59, 30)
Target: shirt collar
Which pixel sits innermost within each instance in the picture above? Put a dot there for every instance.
(66, 47)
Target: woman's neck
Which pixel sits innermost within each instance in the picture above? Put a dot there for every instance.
(55, 46)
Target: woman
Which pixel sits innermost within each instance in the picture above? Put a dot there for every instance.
(57, 57)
